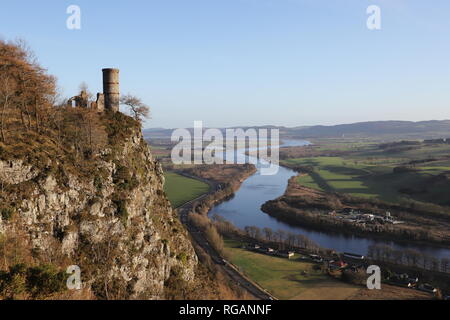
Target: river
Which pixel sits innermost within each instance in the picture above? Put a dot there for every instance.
(244, 209)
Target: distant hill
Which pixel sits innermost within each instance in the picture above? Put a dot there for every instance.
(157, 133)
(393, 129)
(389, 130)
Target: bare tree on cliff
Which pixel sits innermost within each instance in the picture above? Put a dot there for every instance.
(139, 110)
(33, 90)
(6, 99)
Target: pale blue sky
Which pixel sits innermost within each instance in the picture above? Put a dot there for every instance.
(250, 62)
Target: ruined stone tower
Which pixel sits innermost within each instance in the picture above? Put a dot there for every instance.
(100, 103)
(111, 89)
(109, 99)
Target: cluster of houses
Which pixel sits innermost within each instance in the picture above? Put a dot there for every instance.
(405, 280)
(271, 251)
(355, 216)
(437, 141)
(335, 263)
(348, 261)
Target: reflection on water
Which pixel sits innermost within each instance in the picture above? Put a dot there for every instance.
(244, 209)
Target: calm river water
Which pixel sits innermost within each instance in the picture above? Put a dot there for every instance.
(244, 209)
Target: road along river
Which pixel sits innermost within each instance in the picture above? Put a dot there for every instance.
(244, 209)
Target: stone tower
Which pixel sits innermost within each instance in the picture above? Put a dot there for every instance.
(111, 89)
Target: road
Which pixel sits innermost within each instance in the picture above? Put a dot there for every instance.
(234, 274)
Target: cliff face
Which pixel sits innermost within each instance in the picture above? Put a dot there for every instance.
(115, 222)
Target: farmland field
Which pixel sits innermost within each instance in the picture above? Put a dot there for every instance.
(296, 279)
(288, 279)
(367, 171)
(180, 189)
(334, 174)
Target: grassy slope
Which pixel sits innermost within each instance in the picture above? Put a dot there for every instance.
(284, 279)
(180, 189)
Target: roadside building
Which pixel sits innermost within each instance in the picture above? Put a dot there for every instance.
(253, 247)
(316, 258)
(427, 288)
(337, 264)
(286, 254)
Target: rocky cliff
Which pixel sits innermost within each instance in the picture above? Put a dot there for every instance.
(109, 216)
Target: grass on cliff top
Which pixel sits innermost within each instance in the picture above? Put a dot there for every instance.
(288, 279)
(180, 189)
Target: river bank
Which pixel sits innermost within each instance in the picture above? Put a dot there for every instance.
(306, 207)
(244, 209)
(224, 180)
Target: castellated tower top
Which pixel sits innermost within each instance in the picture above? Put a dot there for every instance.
(111, 89)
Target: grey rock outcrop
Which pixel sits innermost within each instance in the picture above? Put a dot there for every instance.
(126, 239)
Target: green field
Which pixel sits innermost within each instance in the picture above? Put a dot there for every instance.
(374, 178)
(334, 174)
(180, 189)
(293, 279)
(308, 181)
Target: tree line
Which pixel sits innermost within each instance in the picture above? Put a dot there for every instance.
(408, 257)
(283, 240)
(27, 93)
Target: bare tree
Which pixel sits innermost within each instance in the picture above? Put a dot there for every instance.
(139, 110)
(83, 87)
(33, 89)
(268, 234)
(96, 134)
(6, 96)
(444, 264)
